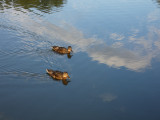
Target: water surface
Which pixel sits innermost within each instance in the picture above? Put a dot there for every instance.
(114, 69)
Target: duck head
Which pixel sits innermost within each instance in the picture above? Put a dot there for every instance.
(69, 49)
(65, 75)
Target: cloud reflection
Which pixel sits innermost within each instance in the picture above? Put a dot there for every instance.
(107, 97)
(116, 36)
(118, 57)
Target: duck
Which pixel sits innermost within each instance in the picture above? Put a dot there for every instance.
(58, 74)
(62, 50)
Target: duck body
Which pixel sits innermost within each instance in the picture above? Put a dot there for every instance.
(62, 50)
(58, 74)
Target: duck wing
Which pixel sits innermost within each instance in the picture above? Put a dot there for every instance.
(62, 50)
(58, 73)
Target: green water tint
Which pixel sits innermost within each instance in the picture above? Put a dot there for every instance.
(45, 6)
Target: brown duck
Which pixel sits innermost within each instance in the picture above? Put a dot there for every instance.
(62, 50)
(58, 74)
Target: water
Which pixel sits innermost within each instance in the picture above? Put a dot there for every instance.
(114, 69)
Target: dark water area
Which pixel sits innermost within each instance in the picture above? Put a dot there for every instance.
(114, 67)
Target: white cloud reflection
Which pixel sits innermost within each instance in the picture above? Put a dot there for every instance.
(107, 97)
(154, 16)
(136, 58)
(116, 36)
(119, 57)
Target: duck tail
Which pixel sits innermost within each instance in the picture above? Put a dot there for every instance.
(52, 47)
(55, 47)
(47, 71)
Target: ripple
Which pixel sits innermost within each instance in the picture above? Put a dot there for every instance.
(36, 36)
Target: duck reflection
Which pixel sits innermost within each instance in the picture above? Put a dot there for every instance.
(65, 82)
(69, 56)
(58, 75)
(63, 51)
(45, 6)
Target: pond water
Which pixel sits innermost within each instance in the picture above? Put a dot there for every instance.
(114, 67)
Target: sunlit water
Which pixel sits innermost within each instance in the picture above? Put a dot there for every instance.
(114, 69)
